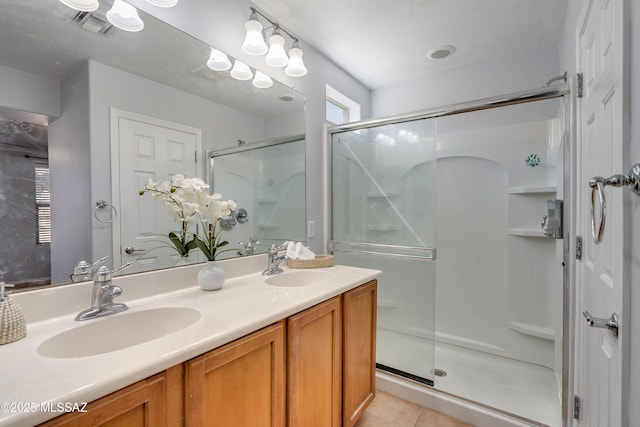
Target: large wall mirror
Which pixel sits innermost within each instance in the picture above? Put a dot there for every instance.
(82, 108)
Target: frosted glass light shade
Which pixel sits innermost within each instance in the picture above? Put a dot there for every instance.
(254, 43)
(124, 16)
(261, 80)
(241, 71)
(82, 5)
(218, 61)
(276, 57)
(296, 66)
(163, 3)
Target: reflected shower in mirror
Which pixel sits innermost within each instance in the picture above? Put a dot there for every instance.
(269, 179)
(74, 93)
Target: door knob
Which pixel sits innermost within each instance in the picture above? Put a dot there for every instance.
(611, 323)
(130, 250)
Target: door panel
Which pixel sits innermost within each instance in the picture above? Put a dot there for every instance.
(149, 149)
(600, 273)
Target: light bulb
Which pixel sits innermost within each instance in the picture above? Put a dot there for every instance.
(124, 16)
(218, 61)
(276, 57)
(296, 66)
(261, 80)
(82, 5)
(241, 71)
(254, 43)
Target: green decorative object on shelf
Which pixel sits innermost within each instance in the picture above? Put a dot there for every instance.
(532, 160)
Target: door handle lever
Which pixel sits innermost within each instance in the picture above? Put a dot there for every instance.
(611, 323)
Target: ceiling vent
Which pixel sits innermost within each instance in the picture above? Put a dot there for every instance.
(95, 22)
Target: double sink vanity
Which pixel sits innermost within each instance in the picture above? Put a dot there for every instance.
(296, 348)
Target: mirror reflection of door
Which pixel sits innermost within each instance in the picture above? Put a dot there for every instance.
(153, 149)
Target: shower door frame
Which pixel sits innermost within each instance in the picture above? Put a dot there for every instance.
(569, 91)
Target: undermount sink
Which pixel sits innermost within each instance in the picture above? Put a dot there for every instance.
(300, 278)
(118, 331)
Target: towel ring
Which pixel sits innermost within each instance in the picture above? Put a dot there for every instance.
(597, 186)
(101, 204)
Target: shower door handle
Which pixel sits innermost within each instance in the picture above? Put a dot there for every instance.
(611, 323)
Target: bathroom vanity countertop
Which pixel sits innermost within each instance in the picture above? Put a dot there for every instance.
(245, 304)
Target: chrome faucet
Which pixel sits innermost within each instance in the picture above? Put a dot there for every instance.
(102, 297)
(85, 271)
(274, 260)
(249, 248)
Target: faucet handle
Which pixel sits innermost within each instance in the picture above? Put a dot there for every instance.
(104, 274)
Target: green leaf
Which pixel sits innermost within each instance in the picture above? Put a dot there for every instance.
(202, 245)
(175, 240)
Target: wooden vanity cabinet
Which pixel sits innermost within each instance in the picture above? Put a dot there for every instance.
(314, 366)
(239, 384)
(155, 401)
(359, 350)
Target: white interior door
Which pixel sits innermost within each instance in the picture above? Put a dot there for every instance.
(599, 352)
(148, 149)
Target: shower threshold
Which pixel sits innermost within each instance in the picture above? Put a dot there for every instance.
(404, 374)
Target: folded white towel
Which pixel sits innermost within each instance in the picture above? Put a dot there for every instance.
(304, 253)
(298, 251)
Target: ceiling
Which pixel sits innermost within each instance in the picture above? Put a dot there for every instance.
(382, 42)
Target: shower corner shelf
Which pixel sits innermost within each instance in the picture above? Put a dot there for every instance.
(526, 232)
(533, 190)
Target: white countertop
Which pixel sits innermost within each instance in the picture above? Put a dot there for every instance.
(245, 304)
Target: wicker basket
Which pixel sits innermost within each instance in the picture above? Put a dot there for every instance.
(320, 261)
(12, 323)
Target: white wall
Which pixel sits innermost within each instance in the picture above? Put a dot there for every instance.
(69, 152)
(525, 71)
(220, 23)
(29, 92)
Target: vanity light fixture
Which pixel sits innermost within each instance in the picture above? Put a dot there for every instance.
(254, 44)
(261, 80)
(276, 57)
(241, 71)
(82, 5)
(218, 61)
(163, 3)
(296, 67)
(124, 16)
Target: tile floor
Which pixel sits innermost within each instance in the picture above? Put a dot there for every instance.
(388, 410)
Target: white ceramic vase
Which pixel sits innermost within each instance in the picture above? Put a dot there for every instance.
(211, 277)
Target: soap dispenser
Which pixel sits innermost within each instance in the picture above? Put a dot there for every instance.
(12, 324)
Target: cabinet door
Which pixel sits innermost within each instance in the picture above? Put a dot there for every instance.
(359, 357)
(314, 387)
(156, 401)
(240, 384)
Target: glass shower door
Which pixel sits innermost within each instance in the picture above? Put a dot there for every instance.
(383, 215)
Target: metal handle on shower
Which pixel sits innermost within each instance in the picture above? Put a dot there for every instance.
(597, 184)
(611, 323)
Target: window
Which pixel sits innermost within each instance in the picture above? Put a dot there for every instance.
(340, 108)
(43, 204)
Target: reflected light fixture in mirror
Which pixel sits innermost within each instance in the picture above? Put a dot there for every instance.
(241, 71)
(262, 81)
(254, 43)
(124, 16)
(218, 61)
(296, 67)
(82, 5)
(163, 3)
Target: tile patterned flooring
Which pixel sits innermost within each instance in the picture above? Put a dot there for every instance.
(388, 410)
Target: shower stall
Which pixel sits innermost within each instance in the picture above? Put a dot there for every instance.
(461, 207)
